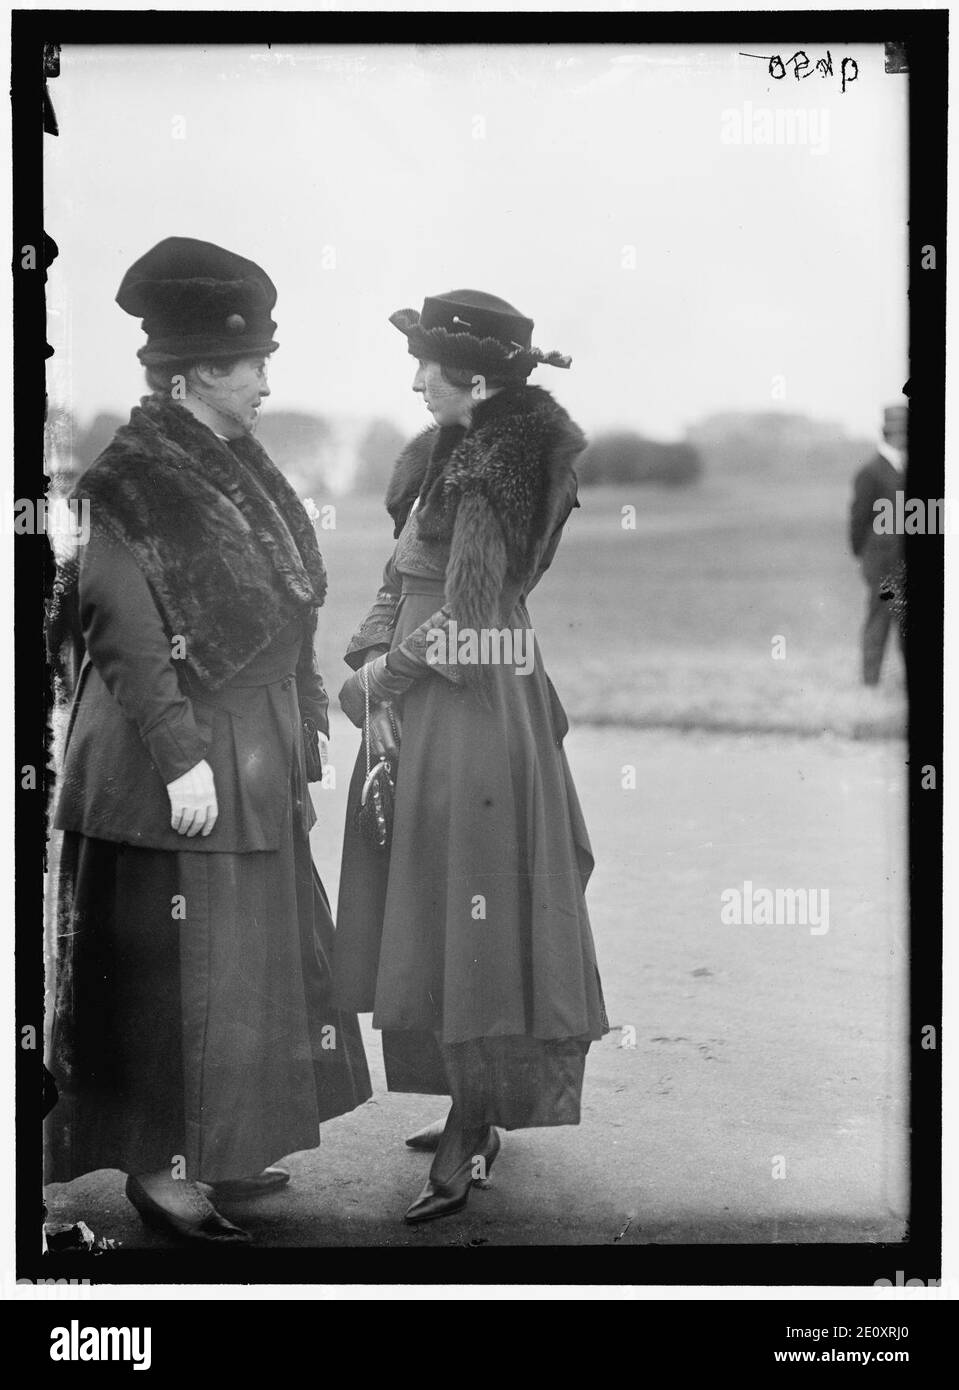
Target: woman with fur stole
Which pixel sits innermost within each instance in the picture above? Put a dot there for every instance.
(194, 1040)
(467, 934)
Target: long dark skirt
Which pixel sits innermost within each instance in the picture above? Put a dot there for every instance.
(470, 940)
(193, 1026)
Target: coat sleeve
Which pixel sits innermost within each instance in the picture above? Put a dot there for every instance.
(412, 657)
(310, 690)
(861, 512)
(128, 647)
(375, 633)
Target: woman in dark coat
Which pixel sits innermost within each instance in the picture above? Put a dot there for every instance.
(469, 937)
(194, 1039)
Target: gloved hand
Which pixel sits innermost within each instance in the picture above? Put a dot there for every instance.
(385, 730)
(383, 686)
(193, 808)
(352, 700)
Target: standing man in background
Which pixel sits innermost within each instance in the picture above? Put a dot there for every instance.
(879, 554)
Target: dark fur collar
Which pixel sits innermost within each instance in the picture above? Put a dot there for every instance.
(220, 536)
(517, 454)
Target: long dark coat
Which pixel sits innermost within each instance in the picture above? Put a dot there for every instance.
(193, 1016)
(878, 553)
(470, 940)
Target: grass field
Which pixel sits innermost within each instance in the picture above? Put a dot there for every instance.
(673, 624)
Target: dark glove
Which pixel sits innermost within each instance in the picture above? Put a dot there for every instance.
(383, 686)
(385, 732)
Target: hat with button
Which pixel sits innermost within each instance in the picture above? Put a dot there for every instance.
(471, 330)
(198, 301)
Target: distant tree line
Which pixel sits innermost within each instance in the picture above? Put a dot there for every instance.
(780, 442)
(322, 454)
(622, 456)
(311, 449)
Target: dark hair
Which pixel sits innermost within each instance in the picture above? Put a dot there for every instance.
(463, 377)
(161, 377)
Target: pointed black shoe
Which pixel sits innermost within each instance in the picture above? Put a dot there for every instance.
(243, 1189)
(446, 1198)
(213, 1229)
(428, 1139)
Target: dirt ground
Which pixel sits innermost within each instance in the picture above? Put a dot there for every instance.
(754, 1085)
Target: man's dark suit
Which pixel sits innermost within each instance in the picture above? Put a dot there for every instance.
(879, 555)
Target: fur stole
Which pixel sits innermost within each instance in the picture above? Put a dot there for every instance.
(496, 492)
(220, 536)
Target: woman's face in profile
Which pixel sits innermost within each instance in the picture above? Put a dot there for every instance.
(449, 405)
(238, 392)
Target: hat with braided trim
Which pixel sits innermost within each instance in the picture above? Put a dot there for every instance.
(470, 331)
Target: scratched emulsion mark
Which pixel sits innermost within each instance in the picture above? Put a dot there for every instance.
(708, 1051)
(51, 68)
(895, 57)
(76, 1237)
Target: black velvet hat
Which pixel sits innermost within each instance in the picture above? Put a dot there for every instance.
(198, 301)
(473, 331)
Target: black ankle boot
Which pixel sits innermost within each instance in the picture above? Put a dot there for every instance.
(444, 1198)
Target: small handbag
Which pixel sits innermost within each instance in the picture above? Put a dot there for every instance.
(374, 814)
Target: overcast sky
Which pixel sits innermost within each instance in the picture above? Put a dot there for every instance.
(617, 195)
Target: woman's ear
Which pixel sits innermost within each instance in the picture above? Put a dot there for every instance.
(205, 373)
(208, 373)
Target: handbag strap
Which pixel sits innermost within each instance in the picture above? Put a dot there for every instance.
(364, 681)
